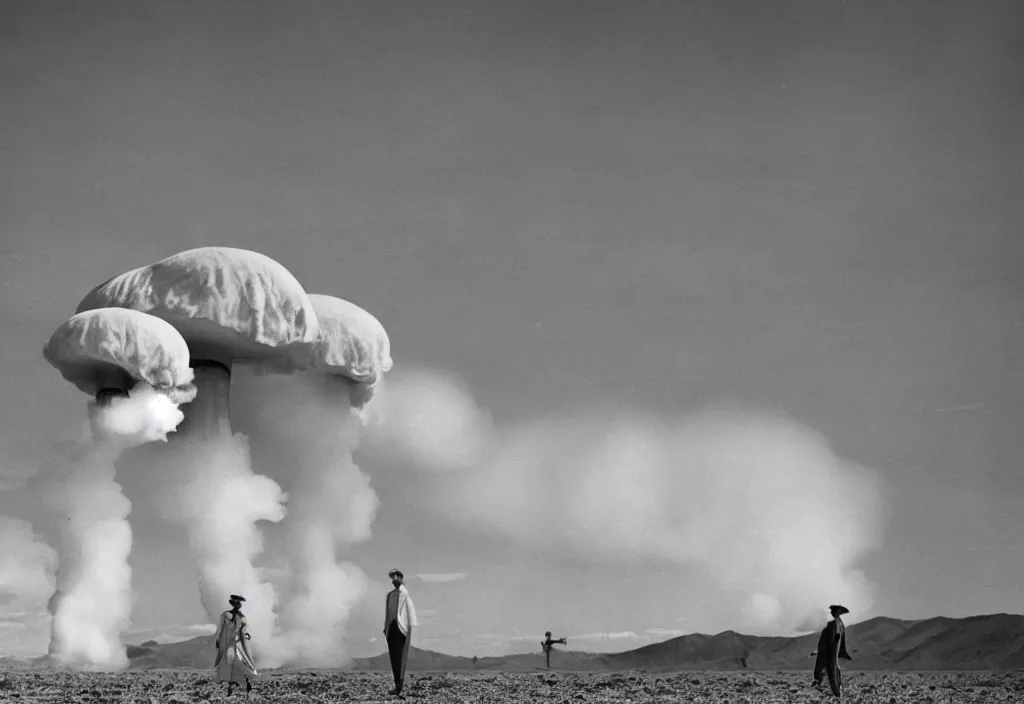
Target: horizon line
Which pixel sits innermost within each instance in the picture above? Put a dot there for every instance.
(29, 658)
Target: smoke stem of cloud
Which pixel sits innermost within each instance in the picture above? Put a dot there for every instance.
(92, 602)
(207, 485)
(309, 435)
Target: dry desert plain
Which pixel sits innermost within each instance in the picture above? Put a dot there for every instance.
(184, 686)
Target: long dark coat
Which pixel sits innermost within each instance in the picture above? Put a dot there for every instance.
(831, 647)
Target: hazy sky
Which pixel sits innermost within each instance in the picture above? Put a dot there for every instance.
(803, 208)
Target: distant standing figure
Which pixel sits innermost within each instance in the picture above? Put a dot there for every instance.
(831, 647)
(546, 645)
(399, 618)
(234, 662)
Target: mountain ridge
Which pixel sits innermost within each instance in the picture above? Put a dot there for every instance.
(986, 642)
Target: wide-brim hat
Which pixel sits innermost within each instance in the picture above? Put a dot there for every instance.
(838, 609)
(236, 597)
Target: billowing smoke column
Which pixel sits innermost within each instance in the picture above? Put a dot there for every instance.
(27, 566)
(766, 520)
(137, 367)
(26, 562)
(311, 433)
(229, 305)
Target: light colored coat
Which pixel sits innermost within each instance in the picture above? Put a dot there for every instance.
(406, 611)
(234, 663)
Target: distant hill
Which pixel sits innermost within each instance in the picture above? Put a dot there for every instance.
(195, 653)
(993, 642)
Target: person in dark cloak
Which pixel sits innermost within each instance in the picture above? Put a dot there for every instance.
(832, 647)
(547, 643)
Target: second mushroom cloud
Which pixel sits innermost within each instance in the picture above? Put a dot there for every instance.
(170, 334)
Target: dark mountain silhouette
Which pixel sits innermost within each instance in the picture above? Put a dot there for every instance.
(960, 644)
(992, 642)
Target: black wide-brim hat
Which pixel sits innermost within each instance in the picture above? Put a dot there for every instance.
(236, 597)
(838, 609)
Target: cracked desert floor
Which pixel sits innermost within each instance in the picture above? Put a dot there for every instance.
(180, 687)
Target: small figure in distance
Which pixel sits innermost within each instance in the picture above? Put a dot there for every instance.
(399, 618)
(234, 663)
(547, 643)
(831, 647)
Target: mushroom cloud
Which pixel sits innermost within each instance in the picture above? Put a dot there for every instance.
(137, 368)
(230, 305)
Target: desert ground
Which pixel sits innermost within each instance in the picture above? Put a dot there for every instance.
(181, 687)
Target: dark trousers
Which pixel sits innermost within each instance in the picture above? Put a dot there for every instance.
(825, 663)
(398, 649)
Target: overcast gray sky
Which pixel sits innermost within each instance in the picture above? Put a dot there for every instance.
(806, 208)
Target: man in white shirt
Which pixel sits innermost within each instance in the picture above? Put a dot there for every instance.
(399, 618)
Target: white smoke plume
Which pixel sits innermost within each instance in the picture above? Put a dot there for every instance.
(92, 603)
(757, 503)
(27, 565)
(305, 439)
(429, 416)
(207, 485)
(146, 415)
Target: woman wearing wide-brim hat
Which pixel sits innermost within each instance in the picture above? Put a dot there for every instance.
(234, 663)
